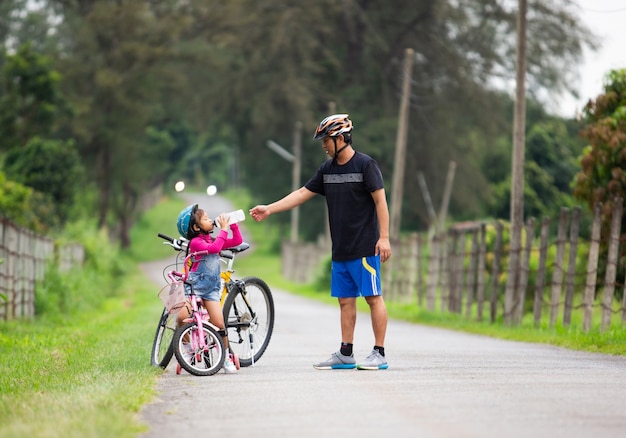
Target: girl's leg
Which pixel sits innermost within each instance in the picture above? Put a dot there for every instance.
(183, 313)
(216, 317)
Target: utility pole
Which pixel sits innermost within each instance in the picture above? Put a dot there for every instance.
(517, 179)
(447, 191)
(332, 109)
(296, 159)
(400, 156)
(297, 153)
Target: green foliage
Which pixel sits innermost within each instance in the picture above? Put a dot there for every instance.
(84, 287)
(549, 167)
(52, 168)
(30, 102)
(25, 207)
(602, 178)
(14, 198)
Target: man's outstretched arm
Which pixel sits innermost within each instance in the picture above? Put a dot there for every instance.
(293, 199)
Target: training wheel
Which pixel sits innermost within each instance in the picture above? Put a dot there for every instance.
(236, 361)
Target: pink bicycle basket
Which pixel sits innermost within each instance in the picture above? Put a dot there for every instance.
(173, 296)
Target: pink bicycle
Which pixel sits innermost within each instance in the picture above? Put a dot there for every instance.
(247, 305)
(197, 344)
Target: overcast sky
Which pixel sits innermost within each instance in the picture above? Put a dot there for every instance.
(606, 18)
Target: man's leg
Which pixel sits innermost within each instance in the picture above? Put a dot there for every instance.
(347, 308)
(343, 359)
(378, 312)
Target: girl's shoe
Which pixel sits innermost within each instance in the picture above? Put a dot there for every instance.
(229, 366)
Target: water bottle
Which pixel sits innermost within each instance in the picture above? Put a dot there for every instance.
(234, 216)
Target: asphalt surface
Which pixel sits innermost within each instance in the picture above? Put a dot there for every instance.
(439, 383)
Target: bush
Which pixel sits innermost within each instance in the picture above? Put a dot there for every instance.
(50, 167)
(85, 287)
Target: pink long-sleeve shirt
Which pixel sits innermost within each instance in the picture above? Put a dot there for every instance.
(205, 242)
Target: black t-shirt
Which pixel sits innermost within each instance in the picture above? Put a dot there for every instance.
(351, 209)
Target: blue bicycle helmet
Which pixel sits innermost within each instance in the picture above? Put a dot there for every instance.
(184, 219)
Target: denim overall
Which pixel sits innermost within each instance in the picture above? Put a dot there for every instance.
(206, 278)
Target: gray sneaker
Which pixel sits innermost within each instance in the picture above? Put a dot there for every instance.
(374, 362)
(337, 361)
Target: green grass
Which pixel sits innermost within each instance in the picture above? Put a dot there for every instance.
(87, 376)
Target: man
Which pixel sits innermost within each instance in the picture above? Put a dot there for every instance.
(359, 226)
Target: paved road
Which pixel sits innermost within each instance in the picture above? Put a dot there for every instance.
(439, 383)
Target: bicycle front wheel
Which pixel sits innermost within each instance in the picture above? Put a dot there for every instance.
(249, 316)
(162, 350)
(199, 352)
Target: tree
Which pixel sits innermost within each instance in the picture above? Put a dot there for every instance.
(30, 101)
(51, 167)
(602, 177)
(154, 85)
(120, 78)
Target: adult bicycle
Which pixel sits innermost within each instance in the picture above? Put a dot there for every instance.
(247, 305)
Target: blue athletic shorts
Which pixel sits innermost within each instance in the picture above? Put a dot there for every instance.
(356, 278)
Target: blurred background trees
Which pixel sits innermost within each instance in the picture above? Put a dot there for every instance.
(151, 92)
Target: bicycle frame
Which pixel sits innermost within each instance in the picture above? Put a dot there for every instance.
(198, 314)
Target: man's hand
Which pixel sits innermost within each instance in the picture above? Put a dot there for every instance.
(259, 212)
(383, 247)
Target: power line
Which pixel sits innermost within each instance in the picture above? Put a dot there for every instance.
(598, 11)
(604, 12)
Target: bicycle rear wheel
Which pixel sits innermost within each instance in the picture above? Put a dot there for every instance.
(249, 316)
(197, 360)
(162, 350)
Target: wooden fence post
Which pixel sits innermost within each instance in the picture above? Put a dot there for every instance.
(515, 248)
(420, 275)
(557, 273)
(592, 267)
(446, 269)
(480, 280)
(453, 256)
(433, 271)
(495, 277)
(12, 255)
(611, 265)
(571, 266)
(460, 272)
(409, 275)
(471, 275)
(4, 273)
(541, 271)
(624, 303)
(520, 295)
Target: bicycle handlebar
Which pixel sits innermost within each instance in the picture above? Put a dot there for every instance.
(177, 244)
(183, 244)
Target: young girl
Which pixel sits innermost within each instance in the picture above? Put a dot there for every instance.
(194, 224)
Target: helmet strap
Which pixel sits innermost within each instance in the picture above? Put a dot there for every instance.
(338, 151)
